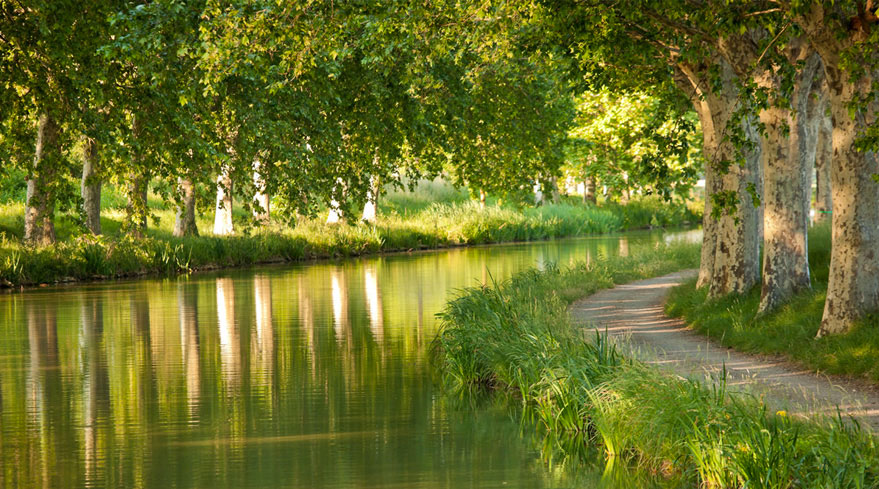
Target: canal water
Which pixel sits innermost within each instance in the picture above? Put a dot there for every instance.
(309, 375)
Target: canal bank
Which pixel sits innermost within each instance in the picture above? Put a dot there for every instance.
(587, 396)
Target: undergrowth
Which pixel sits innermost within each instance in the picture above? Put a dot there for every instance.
(581, 394)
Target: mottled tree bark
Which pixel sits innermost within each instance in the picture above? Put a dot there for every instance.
(90, 187)
(737, 257)
(184, 222)
(853, 288)
(223, 211)
(39, 214)
(730, 243)
(788, 153)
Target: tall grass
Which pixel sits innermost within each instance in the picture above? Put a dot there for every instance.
(581, 395)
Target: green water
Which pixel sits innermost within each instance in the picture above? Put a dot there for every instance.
(312, 376)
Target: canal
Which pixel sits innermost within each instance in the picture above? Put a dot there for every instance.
(307, 375)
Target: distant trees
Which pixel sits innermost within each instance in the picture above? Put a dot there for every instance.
(631, 141)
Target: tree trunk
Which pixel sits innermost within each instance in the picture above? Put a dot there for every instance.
(853, 288)
(823, 163)
(589, 196)
(714, 112)
(737, 257)
(482, 197)
(261, 210)
(39, 226)
(538, 193)
(709, 223)
(184, 222)
(135, 222)
(369, 209)
(90, 186)
(788, 153)
(730, 243)
(556, 197)
(336, 215)
(223, 212)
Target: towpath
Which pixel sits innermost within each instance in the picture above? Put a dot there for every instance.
(633, 314)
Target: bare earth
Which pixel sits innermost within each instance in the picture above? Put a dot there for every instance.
(633, 315)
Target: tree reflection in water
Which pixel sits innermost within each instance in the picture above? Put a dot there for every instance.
(306, 376)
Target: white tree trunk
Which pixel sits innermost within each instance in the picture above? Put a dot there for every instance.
(371, 205)
(90, 186)
(223, 212)
(538, 193)
(336, 215)
(714, 110)
(39, 214)
(261, 200)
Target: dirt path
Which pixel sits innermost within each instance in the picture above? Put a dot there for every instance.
(633, 313)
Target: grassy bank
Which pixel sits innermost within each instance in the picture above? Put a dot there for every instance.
(515, 339)
(789, 331)
(435, 216)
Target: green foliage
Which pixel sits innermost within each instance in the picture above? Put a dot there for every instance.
(580, 395)
(634, 141)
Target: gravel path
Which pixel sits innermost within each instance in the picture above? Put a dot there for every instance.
(633, 314)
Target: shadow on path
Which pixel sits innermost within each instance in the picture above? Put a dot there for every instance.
(633, 315)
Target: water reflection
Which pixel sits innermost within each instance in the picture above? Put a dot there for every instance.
(374, 301)
(230, 340)
(187, 307)
(262, 343)
(304, 376)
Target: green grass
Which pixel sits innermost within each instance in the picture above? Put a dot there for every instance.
(790, 331)
(583, 398)
(435, 215)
